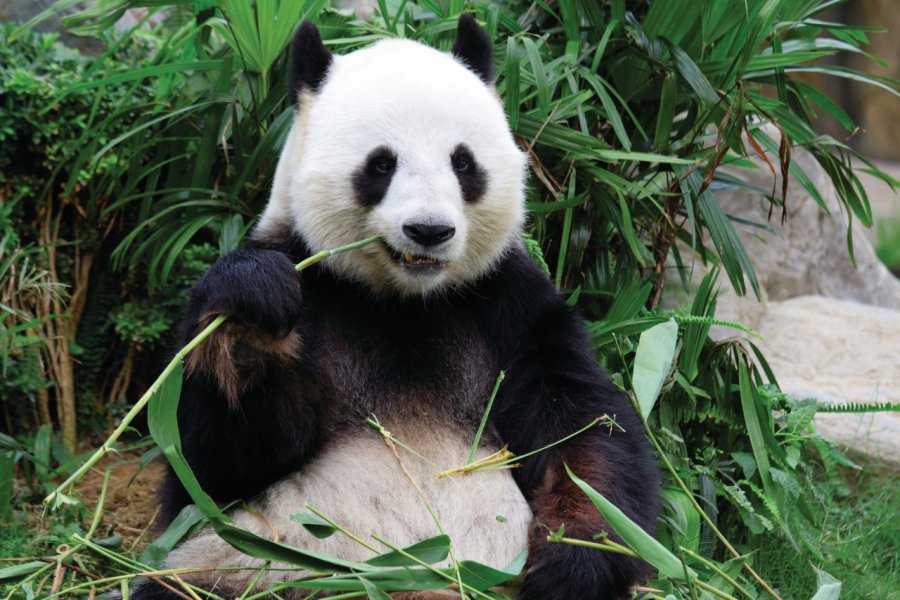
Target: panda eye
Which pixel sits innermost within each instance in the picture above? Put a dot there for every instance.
(383, 166)
(461, 159)
(472, 178)
(381, 162)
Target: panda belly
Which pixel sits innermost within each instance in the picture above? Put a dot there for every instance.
(359, 482)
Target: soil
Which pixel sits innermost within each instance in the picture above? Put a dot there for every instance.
(131, 501)
(130, 506)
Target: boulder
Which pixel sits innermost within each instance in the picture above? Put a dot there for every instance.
(839, 351)
(831, 329)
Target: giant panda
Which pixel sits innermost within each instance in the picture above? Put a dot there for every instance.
(411, 144)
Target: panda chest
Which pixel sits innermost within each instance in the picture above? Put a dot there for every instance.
(421, 367)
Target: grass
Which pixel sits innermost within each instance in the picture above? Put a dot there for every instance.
(16, 538)
(860, 537)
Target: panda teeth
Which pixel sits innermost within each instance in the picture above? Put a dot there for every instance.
(419, 261)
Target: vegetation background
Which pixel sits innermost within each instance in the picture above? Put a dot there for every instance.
(125, 172)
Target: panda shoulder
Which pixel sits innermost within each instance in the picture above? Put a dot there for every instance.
(519, 293)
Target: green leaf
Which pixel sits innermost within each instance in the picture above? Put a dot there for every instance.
(631, 533)
(652, 362)
(162, 409)
(22, 570)
(372, 591)
(540, 75)
(189, 519)
(685, 517)
(259, 547)
(482, 577)
(534, 251)
(429, 551)
(314, 524)
(691, 73)
(666, 115)
(753, 425)
(7, 462)
(512, 82)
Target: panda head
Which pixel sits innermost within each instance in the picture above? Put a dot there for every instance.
(405, 142)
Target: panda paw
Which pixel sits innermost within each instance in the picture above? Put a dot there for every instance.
(259, 288)
(563, 571)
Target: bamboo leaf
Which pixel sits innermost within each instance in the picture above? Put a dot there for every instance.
(753, 425)
(188, 520)
(432, 550)
(372, 591)
(691, 73)
(314, 524)
(652, 361)
(15, 572)
(512, 82)
(666, 114)
(631, 533)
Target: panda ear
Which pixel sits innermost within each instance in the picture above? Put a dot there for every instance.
(310, 60)
(473, 48)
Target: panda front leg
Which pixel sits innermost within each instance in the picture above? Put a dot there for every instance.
(554, 389)
(560, 570)
(246, 416)
(259, 290)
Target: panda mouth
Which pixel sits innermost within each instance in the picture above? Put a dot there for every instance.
(415, 262)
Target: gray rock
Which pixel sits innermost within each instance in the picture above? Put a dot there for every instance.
(831, 330)
(808, 254)
(839, 351)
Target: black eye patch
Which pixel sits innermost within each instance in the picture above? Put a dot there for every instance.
(373, 178)
(472, 178)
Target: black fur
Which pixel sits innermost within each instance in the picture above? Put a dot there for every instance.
(243, 301)
(472, 178)
(310, 61)
(553, 387)
(473, 48)
(373, 178)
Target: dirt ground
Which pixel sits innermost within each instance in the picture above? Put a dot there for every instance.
(131, 502)
(130, 505)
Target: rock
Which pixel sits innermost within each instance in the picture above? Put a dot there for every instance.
(807, 255)
(831, 329)
(839, 351)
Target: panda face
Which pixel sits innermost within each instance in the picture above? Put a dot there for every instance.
(405, 142)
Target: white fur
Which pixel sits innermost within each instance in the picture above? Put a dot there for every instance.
(421, 103)
(359, 484)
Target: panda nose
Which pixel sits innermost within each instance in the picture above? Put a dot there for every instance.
(428, 235)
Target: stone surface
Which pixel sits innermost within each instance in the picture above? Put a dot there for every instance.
(839, 351)
(808, 254)
(831, 330)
